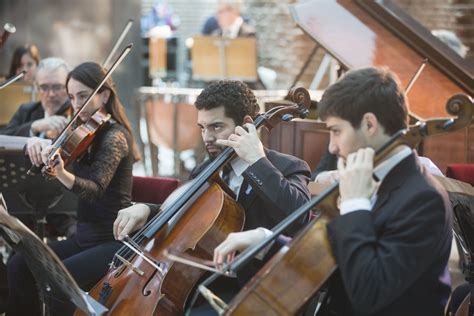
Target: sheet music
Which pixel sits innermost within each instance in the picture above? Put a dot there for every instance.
(46, 267)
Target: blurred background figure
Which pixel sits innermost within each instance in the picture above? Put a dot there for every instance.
(25, 58)
(452, 40)
(47, 117)
(159, 18)
(210, 26)
(230, 22)
(44, 118)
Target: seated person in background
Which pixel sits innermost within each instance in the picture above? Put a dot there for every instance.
(228, 22)
(210, 26)
(25, 58)
(393, 237)
(159, 15)
(44, 118)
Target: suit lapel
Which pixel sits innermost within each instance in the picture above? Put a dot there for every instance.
(394, 180)
(382, 198)
(246, 195)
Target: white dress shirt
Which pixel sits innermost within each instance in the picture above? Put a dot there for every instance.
(380, 172)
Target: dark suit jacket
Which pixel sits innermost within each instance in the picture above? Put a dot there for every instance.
(393, 260)
(273, 188)
(20, 124)
(278, 186)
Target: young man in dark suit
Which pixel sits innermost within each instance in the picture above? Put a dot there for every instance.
(393, 238)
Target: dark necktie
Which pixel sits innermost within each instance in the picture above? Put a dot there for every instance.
(226, 174)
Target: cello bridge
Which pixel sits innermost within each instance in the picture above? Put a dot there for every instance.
(129, 265)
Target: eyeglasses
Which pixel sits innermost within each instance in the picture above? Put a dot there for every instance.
(54, 88)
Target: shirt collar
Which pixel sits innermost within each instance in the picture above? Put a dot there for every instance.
(239, 166)
(387, 165)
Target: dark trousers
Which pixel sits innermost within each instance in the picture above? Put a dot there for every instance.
(86, 265)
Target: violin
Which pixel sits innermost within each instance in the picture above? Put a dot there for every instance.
(78, 140)
(142, 279)
(75, 138)
(267, 292)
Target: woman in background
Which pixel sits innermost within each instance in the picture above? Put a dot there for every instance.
(25, 58)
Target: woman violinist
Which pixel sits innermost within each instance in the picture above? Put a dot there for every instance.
(102, 179)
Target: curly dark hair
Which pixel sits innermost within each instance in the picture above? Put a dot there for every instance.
(236, 97)
(375, 90)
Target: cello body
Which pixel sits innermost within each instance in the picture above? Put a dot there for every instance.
(195, 224)
(148, 291)
(307, 260)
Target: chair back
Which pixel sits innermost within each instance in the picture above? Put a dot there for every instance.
(462, 172)
(152, 189)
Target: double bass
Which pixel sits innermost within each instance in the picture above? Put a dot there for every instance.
(194, 220)
(267, 292)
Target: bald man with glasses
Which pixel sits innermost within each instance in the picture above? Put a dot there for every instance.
(44, 118)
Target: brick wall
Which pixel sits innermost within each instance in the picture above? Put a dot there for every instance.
(283, 47)
(452, 15)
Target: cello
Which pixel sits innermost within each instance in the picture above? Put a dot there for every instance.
(267, 293)
(192, 221)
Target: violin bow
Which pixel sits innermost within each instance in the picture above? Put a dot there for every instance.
(117, 43)
(12, 80)
(412, 82)
(416, 75)
(117, 62)
(57, 142)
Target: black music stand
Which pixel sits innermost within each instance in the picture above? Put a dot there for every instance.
(32, 195)
(48, 270)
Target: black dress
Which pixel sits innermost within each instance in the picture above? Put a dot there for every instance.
(103, 184)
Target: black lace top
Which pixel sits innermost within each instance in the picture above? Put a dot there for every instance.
(103, 183)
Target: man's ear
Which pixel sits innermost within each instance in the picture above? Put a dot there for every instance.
(370, 123)
(247, 119)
